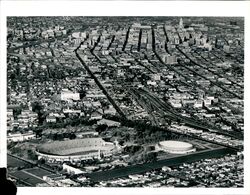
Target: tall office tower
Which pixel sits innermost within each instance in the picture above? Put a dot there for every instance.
(181, 24)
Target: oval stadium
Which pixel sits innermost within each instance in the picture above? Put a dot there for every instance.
(75, 150)
(175, 147)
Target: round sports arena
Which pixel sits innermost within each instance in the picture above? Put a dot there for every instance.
(76, 150)
(175, 147)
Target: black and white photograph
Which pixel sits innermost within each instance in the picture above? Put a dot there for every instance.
(125, 101)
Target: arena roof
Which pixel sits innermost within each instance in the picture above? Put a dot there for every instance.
(175, 145)
(76, 146)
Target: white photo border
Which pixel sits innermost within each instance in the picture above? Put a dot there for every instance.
(125, 8)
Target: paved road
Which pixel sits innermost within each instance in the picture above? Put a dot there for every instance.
(100, 85)
(240, 96)
(187, 120)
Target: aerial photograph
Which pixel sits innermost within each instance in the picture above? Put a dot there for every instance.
(108, 101)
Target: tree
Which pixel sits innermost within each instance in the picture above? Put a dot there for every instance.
(126, 137)
(16, 150)
(41, 161)
(38, 108)
(38, 132)
(31, 155)
(132, 149)
(101, 128)
(72, 136)
(17, 111)
(59, 137)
